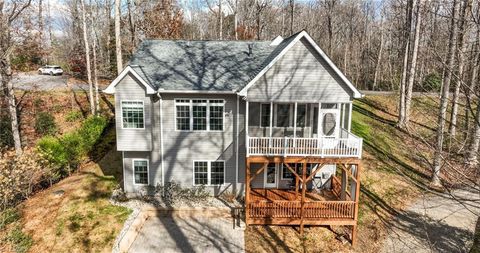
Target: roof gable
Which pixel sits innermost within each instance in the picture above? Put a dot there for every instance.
(283, 48)
(129, 69)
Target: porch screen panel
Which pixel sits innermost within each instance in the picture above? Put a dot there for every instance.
(265, 118)
(301, 115)
(283, 115)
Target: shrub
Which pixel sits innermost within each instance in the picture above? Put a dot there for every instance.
(6, 137)
(91, 130)
(173, 193)
(432, 82)
(21, 241)
(73, 116)
(54, 151)
(20, 175)
(45, 124)
(72, 145)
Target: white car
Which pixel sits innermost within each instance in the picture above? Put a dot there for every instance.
(50, 70)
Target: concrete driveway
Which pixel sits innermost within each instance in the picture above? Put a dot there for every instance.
(192, 233)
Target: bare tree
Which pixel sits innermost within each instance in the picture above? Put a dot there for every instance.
(437, 160)
(462, 47)
(118, 39)
(87, 57)
(8, 15)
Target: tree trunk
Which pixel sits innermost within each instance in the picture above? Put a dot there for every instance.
(442, 113)
(131, 24)
(87, 58)
(413, 64)
(220, 20)
(292, 14)
(461, 63)
(379, 58)
(118, 39)
(406, 54)
(472, 156)
(6, 77)
(95, 73)
(473, 82)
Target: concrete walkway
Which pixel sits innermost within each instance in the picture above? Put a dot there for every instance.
(436, 223)
(193, 233)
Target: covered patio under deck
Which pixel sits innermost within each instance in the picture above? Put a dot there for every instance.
(300, 206)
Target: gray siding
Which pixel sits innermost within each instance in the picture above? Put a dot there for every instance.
(133, 139)
(300, 75)
(154, 173)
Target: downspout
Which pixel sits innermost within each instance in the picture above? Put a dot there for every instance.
(236, 136)
(161, 137)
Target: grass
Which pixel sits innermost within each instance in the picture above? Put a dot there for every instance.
(393, 168)
(80, 220)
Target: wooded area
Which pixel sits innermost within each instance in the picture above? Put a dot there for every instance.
(404, 46)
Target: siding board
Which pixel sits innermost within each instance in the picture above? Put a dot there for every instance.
(301, 75)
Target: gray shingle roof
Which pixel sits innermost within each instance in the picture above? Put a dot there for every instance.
(202, 65)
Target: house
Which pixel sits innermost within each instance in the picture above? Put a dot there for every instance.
(275, 114)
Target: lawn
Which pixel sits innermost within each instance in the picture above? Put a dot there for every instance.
(395, 168)
(74, 215)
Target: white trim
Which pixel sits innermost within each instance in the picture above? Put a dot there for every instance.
(161, 141)
(207, 104)
(236, 140)
(247, 108)
(198, 91)
(209, 172)
(350, 116)
(123, 171)
(111, 88)
(303, 34)
(143, 111)
(148, 170)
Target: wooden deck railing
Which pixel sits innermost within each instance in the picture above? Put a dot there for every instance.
(292, 209)
(350, 146)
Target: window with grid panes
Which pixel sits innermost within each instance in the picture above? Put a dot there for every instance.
(140, 168)
(216, 115)
(132, 114)
(217, 170)
(183, 114)
(200, 173)
(199, 113)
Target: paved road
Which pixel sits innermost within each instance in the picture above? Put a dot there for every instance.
(188, 234)
(435, 223)
(33, 81)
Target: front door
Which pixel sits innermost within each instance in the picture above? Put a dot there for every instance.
(270, 176)
(329, 122)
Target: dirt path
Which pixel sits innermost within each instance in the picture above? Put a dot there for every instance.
(435, 223)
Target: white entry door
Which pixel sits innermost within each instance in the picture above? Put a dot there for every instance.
(270, 176)
(329, 122)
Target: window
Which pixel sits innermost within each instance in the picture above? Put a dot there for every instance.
(286, 173)
(265, 115)
(199, 114)
(140, 171)
(199, 109)
(216, 115)
(208, 172)
(132, 114)
(283, 115)
(301, 115)
(201, 172)
(217, 173)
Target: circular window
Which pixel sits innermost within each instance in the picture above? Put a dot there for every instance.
(329, 124)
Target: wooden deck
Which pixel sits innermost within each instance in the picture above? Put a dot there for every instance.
(272, 195)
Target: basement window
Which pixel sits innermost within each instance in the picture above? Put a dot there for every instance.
(208, 172)
(140, 171)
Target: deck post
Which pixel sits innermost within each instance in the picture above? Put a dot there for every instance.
(247, 191)
(271, 123)
(304, 189)
(246, 128)
(295, 125)
(357, 197)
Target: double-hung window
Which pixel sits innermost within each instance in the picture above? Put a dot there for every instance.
(140, 171)
(133, 114)
(208, 172)
(199, 114)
